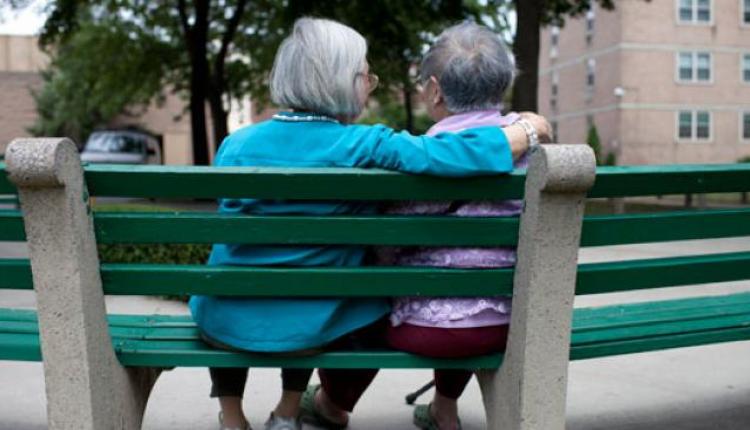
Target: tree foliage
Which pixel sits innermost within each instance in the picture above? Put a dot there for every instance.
(81, 93)
(112, 56)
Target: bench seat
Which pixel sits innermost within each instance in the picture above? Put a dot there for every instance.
(173, 341)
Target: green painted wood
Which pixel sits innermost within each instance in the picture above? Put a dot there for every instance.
(284, 183)
(597, 278)
(20, 347)
(159, 340)
(645, 309)
(11, 226)
(652, 329)
(5, 186)
(178, 227)
(660, 343)
(198, 354)
(629, 181)
(426, 231)
(593, 278)
(662, 227)
(274, 282)
(356, 184)
(654, 312)
(15, 274)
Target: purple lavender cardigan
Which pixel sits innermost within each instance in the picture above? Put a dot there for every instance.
(455, 312)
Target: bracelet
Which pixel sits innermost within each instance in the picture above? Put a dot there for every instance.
(531, 133)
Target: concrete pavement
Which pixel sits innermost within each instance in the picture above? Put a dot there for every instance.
(690, 388)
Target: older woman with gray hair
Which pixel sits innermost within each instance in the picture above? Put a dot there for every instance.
(322, 78)
(464, 78)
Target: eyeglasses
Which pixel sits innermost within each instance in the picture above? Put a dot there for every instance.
(372, 80)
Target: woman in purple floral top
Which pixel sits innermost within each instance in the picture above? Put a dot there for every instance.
(464, 78)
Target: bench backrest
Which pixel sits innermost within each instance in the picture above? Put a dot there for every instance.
(353, 184)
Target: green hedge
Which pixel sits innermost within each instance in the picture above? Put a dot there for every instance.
(154, 254)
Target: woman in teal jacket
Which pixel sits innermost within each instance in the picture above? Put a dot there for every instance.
(321, 74)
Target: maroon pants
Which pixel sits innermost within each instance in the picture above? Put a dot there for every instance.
(449, 343)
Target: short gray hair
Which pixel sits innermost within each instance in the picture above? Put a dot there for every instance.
(316, 68)
(472, 65)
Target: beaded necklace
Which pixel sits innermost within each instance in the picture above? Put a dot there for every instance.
(294, 117)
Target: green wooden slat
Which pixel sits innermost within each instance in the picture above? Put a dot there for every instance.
(286, 183)
(662, 227)
(5, 186)
(355, 184)
(178, 227)
(15, 274)
(19, 347)
(628, 181)
(652, 329)
(640, 309)
(636, 321)
(163, 227)
(593, 278)
(14, 314)
(447, 231)
(647, 311)
(140, 345)
(581, 352)
(597, 278)
(154, 279)
(11, 226)
(198, 354)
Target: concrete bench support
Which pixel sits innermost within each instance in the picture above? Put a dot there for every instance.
(86, 386)
(528, 391)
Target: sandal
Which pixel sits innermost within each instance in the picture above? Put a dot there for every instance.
(423, 418)
(309, 414)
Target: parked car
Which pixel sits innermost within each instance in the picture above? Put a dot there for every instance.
(122, 147)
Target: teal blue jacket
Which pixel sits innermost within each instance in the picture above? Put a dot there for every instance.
(279, 324)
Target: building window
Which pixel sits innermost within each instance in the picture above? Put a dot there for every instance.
(554, 90)
(555, 130)
(590, 17)
(694, 11)
(590, 73)
(746, 68)
(694, 67)
(746, 126)
(694, 125)
(554, 41)
(746, 12)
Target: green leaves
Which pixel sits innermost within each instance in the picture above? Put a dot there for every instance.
(104, 69)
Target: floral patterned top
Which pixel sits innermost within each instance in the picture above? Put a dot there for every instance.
(455, 312)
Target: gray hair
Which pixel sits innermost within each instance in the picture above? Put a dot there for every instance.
(472, 65)
(317, 66)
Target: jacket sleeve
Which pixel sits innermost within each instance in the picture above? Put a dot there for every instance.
(471, 152)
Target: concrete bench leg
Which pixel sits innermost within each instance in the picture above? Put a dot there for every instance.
(528, 391)
(86, 386)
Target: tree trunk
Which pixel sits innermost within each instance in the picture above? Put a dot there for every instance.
(219, 117)
(408, 108)
(195, 38)
(526, 51)
(198, 117)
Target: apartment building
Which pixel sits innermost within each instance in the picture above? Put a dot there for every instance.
(665, 81)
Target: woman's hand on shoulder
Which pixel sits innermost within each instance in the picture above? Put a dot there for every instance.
(540, 124)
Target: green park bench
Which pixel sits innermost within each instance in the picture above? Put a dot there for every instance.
(100, 379)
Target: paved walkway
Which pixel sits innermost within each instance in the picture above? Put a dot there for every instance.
(686, 389)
